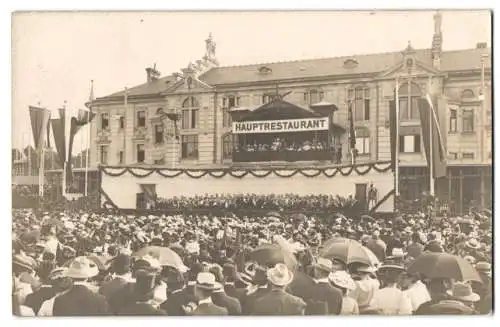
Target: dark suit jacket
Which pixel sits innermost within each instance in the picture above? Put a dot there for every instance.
(209, 309)
(140, 309)
(325, 292)
(109, 288)
(232, 304)
(36, 299)
(175, 301)
(280, 303)
(249, 300)
(80, 301)
(232, 291)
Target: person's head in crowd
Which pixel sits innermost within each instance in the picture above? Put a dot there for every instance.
(206, 284)
(322, 268)
(81, 269)
(462, 291)
(145, 282)
(484, 270)
(390, 272)
(279, 276)
(343, 281)
(112, 250)
(438, 287)
(121, 264)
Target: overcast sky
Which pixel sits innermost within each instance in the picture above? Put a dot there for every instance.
(55, 55)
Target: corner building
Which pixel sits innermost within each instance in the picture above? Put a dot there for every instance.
(134, 127)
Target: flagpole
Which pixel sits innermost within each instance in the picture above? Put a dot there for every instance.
(396, 153)
(431, 146)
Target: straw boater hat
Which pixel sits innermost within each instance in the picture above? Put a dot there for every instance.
(391, 265)
(342, 279)
(82, 268)
(279, 275)
(463, 292)
(473, 244)
(206, 281)
(364, 268)
(23, 262)
(323, 264)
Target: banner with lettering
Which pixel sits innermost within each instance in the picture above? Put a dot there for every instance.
(280, 126)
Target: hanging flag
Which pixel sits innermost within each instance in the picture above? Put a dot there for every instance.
(432, 136)
(58, 133)
(39, 119)
(82, 118)
(352, 131)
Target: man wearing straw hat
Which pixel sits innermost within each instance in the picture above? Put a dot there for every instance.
(79, 300)
(205, 286)
(277, 301)
(323, 291)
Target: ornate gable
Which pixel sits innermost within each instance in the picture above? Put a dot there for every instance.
(409, 65)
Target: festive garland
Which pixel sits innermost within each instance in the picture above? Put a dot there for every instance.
(141, 172)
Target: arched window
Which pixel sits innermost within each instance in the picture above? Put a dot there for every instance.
(468, 94)
(409, 96)
(190, 113)
(227, 145)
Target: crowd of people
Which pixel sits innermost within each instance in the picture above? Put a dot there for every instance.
(68, 263)
(281, 202)
(282, 144)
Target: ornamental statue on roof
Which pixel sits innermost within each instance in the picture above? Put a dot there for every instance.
(210, 50)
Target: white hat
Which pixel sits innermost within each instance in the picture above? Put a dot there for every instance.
(342, 279)
(279, 275)
(206, 280)
(324, 264)
(398, 253)
(82, 268)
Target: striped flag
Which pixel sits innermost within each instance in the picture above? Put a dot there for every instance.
(39, 124)
(434, 142)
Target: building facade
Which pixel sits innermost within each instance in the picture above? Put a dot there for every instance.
(184, 119)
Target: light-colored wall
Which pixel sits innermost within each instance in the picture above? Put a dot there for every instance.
(335, 91)
(184, 185)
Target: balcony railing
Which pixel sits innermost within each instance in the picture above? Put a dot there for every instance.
(290, 156)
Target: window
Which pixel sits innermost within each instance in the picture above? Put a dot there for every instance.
(122, 122)
(140, 153)
(314, 96)
(468, 155)
(409, 95)
(104, 154)
(468, 121)
(230, 102)
(453, 120)
(266, 98)
(104, 121)
(468, 94)
(141, 118)
(158, 134)
(363, 145)
(409, 143)
(159, 162)
(190, 113)
(360, 99)
(121, 157)
(189, 147)
(453, 155)
(227, 146)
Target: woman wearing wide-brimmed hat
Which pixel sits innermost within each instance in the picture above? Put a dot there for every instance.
(390, 300)
(343, 281)
(366, 284)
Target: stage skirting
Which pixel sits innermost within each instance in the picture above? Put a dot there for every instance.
(120, 186)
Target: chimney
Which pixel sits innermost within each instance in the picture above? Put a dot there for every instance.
(437, 41)
(481, 45)
(148, 74)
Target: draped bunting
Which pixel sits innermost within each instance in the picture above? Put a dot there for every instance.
(360, 169)
(83, 117)
(39, 123)
(149, 191)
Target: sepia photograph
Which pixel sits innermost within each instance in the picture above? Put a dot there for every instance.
(252, 163)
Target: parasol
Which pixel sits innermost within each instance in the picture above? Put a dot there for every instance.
(443, 265)
(166, 256)
(270, 254)
(348, 251)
